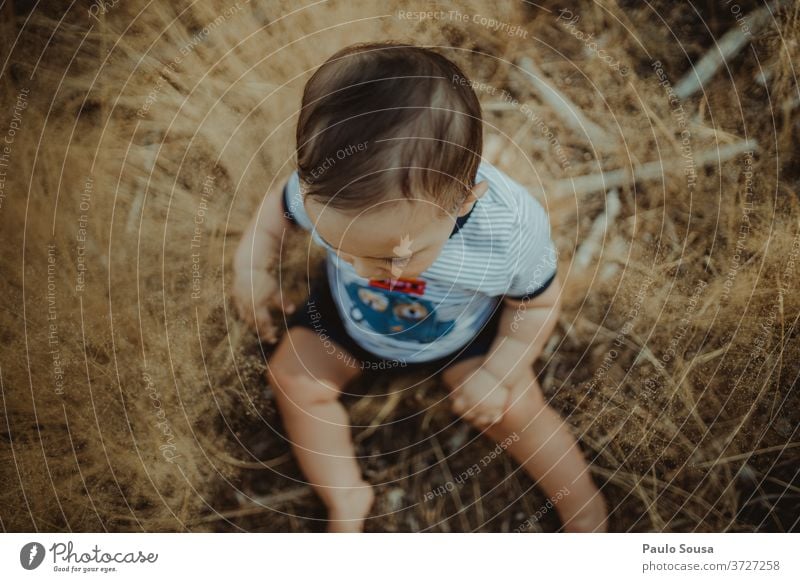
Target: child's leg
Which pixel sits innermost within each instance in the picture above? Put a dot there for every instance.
(307, 393)
(546, 450)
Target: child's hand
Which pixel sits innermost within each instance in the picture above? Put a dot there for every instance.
(254, 292)
(481, 399)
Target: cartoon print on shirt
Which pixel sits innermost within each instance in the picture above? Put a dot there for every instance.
(397, 314)
(374, 301)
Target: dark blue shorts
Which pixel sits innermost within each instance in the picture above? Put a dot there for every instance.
(320, 315)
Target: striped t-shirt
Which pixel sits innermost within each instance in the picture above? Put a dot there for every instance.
(501, 248)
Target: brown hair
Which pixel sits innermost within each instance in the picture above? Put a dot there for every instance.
(386, 119)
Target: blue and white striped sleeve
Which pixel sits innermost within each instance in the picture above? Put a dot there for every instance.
(532, 256)
(295, 211)
(293, 208)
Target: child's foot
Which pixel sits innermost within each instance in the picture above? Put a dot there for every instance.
(590, 519)
(351, 507)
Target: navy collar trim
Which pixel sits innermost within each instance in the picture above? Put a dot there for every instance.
(462, 220)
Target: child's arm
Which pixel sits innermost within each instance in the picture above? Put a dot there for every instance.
(524, 329)
(255, 288)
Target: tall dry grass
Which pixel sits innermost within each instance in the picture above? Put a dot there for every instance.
(144, 147)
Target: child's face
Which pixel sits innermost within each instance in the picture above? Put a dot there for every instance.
(399, 238)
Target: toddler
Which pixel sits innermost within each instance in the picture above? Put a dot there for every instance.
(434, 257)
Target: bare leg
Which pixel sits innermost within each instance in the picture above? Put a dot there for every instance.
(307, 382)
(542, 443)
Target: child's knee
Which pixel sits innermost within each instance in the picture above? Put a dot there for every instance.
(298, 388)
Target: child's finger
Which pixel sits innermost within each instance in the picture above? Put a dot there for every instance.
(488, 417)
(264, 325)
(262, 316)
(458, 405)
(266, 333)
(277, 301)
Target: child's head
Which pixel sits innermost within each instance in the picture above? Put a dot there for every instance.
(388, 145)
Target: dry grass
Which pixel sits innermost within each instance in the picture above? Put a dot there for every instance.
(691, 425)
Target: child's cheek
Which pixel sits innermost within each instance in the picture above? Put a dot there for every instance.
(426, 261)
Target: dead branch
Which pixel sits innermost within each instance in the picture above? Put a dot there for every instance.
(562, 106)
(649, 171)
(723, 51)
(591, 245)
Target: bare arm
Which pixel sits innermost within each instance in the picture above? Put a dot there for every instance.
(261, 239)
(255, 288)
(524, 328)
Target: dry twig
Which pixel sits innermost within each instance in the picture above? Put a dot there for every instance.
(562, 106)
(723, 51)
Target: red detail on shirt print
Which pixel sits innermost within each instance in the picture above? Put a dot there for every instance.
(408, 286)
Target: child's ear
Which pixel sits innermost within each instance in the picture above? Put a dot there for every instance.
(477, 191)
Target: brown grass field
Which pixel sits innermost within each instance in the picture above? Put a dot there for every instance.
(139, 137)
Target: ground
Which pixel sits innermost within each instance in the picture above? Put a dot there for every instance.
(137, 146)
